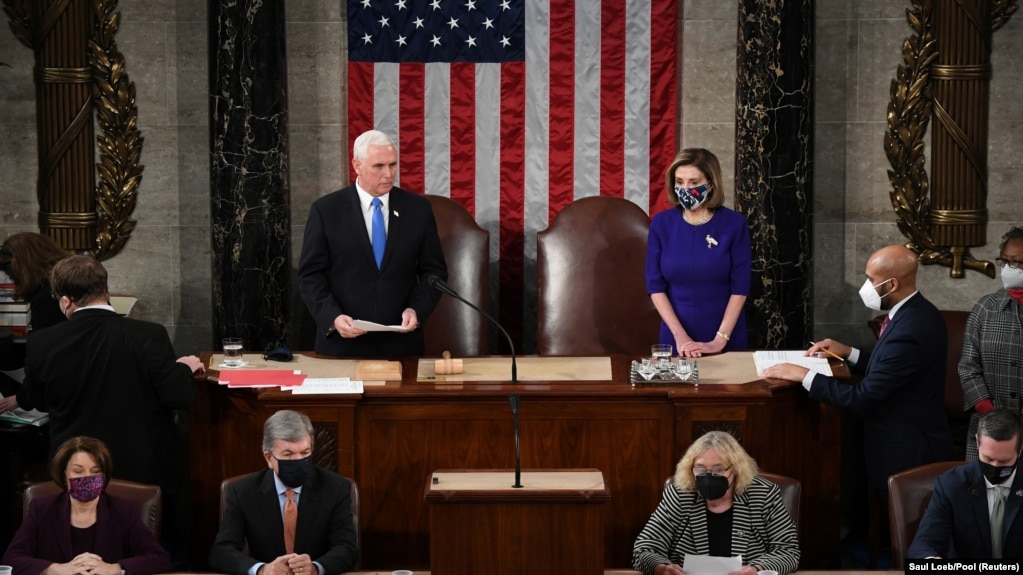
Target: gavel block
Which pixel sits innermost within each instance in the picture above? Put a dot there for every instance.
(447, 366)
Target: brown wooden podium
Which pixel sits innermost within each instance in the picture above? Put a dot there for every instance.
(479, 523)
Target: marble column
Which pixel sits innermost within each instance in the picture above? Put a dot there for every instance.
(774, 166)
(250, 195)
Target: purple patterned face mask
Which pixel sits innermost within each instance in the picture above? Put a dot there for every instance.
(87, 488)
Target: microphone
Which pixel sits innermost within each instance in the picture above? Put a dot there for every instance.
(513, 399)
(439, 285)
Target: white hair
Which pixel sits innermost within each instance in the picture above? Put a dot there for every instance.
(360, 149)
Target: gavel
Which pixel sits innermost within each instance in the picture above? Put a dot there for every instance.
(447, 366)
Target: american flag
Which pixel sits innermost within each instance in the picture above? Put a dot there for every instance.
(515, 108)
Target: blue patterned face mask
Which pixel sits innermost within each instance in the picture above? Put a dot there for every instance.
(692, 198)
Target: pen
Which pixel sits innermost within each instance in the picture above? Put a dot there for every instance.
(829, 352)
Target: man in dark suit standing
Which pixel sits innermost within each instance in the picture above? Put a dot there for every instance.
(366, 254)
(901, 398)
(294, 517)
(116, 379)
(962, 517)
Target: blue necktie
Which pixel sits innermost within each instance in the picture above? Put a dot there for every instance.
(379, 233)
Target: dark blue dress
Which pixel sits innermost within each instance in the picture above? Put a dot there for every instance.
(699, 268)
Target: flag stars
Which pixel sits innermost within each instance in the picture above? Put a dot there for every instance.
(488, 23)
(505, 41)
(505, 6)
(453, 23)
(435, 4)
(400, 5)
(384, 22)
(470, 5)
(435, 41)
(418, 22)
(367, 39)
(365, 3)
(470, 42)
(401, 41)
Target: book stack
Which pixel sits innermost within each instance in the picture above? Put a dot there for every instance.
(15, 315)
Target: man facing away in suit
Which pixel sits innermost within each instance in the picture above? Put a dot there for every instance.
(961, 521)
(901, 397)
(366, 254)
(116, 379)
(292, 518)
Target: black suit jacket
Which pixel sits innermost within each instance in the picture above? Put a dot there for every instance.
(338, 275)
(115, 379)
(252, 516)
(902, 395)
(957, 524)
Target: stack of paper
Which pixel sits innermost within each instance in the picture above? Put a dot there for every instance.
(765, 359)
(30, 417)
(325, 385)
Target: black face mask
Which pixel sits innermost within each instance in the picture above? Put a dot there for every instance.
(711, 486)
(294, 472)
(996, 475)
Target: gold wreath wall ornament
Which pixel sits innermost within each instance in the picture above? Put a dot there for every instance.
(84, 204)
(121, 143)
(945, 75)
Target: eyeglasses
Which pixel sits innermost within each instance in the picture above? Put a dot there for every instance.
(1014, 264)
(699, 470)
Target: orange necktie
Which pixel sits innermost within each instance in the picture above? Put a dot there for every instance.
(290, 521)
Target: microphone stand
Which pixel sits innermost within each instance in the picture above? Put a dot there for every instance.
(513, 398)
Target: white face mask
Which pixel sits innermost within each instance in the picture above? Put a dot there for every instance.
(1012, 277)
(869, 295)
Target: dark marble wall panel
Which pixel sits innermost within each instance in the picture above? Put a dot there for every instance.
(250, 194)
(774, 166)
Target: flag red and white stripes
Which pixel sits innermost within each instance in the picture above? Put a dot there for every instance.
(585, 106)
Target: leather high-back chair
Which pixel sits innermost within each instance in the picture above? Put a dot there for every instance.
(909, 492)
(791, 493)
(591, 281)
(227, 483)
(145, 495)
(454, 326)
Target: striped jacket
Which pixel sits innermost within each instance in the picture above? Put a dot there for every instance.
(763, 533)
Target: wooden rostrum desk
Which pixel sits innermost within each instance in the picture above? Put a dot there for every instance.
(393, 436)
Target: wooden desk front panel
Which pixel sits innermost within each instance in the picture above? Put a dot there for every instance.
(393, 437)
(400, 445)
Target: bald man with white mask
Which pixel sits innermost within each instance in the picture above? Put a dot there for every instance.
(901, 397)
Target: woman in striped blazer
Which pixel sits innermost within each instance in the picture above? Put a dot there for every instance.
(717, 505)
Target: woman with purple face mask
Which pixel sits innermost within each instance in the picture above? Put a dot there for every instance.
(84, 530)
(698, 265)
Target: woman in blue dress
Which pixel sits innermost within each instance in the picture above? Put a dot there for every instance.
(698, 260)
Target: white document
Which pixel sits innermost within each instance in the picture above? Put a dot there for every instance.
(19, 415)
(765, 359)
(372, 326)
(707, 565)
(327, 385)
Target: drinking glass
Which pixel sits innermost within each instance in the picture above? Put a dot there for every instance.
(233, 352)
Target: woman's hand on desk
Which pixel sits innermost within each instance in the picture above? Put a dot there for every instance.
(701, 348)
